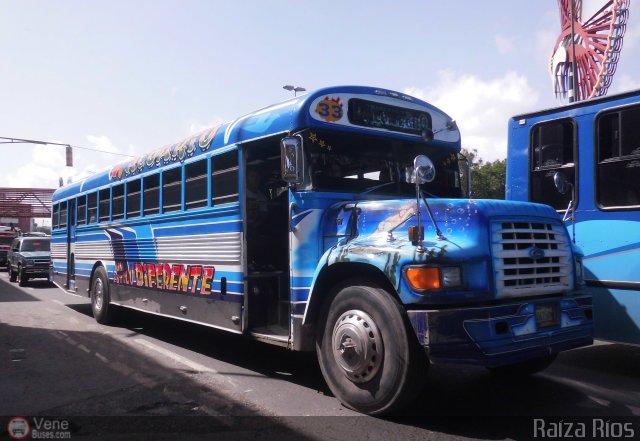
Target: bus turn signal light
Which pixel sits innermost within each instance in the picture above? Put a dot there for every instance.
(423, 278)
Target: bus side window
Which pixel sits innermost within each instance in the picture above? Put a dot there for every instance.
(92, 203)
(551, 149)
(172, 190)
(133, 198)
(117, 203)
(63, 214)
(55, 221)
(618, 153)
(195, 182)
(224, 178)
(82, 210)
(151, 194)
(104, 204)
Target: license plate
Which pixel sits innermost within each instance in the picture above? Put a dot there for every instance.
(547, 315)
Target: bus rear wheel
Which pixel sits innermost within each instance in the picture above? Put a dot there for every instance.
(103, 310)
(368, 354)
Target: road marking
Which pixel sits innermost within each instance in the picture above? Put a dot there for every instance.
(175, 357)
(84, 348)
(102, 357)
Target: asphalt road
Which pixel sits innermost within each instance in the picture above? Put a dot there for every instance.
(164, 379)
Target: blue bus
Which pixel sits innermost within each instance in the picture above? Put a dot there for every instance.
(333, 222)
(590, 151)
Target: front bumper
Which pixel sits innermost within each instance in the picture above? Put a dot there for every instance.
(504, 334)
(37, 271)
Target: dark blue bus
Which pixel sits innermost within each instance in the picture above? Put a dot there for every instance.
(336, 222)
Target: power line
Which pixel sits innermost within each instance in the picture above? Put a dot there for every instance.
(7, 140)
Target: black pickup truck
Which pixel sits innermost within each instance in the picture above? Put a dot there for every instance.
(29, 258)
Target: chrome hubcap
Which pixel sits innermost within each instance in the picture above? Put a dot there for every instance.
(357, 346)
(98, 295)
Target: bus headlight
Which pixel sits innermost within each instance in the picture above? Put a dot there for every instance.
(426, 278)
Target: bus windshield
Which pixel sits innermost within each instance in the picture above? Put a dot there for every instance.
(347, 163)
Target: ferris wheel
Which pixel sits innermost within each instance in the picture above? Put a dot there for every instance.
(593, 45)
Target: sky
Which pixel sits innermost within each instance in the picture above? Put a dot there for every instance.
(128, 77)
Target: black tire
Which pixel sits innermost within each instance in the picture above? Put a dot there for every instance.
(386, 368)
(22, 277)
(524, 368)
(103, 311)
(13, 275)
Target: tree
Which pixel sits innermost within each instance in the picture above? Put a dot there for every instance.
(487, 178)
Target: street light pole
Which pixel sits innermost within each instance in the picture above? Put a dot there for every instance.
(295, 89)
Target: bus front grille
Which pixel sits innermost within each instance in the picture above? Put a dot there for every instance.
(531, 258)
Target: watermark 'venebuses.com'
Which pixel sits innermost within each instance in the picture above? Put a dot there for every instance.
(39, 428)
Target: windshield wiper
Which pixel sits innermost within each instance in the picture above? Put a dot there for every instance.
(376, 187)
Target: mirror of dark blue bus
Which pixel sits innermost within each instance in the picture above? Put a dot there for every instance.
(350, 163)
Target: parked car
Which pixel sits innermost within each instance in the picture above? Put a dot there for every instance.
(29, 258)
(6, 239)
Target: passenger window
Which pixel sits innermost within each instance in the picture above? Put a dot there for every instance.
(618, 153)
(151, 194)
(92, 204)
(104, 200)
(55, 222)
(82, 210)
(551, 149)
(224, 178)
(117, 204)
(195, 182)
(172, 190)
(133, 198)
(63, 214)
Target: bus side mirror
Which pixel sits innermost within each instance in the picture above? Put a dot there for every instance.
(291, 160)
(561, 183)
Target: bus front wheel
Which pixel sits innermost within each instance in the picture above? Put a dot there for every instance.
(368, 354)
(103, 310)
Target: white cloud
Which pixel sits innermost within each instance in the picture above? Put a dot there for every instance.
(480, 107)
(625, 83)
(505, 45)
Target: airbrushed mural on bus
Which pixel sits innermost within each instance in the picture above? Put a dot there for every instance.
(334, 222)
(584, 160)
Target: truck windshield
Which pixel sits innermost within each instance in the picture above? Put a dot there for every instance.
(342, 162)
(36, 245)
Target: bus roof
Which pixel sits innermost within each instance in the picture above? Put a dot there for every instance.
(602, 101)
(282, 118)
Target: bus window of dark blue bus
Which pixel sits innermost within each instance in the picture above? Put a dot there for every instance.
(618, 153)
(172, 190)
(133, 198)
(82, 210)
(55, 222)
(117, 202)
(151, 202)
(224, 178)
(195, 181)
(63, 214)
(92, 203)
(104, 204)
(551, 149)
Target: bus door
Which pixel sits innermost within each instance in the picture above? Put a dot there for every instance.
(267, 244)
(71, 240)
